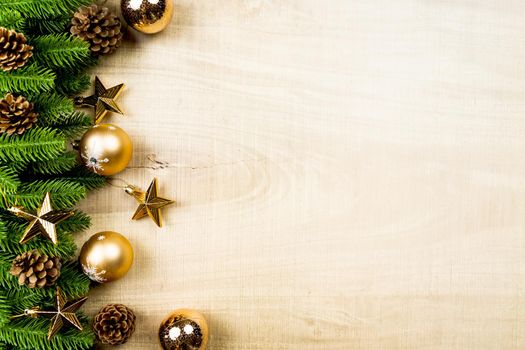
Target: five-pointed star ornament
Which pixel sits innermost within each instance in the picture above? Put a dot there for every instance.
(149, 202)
(64, 313)
(43, 222)
(103, 100)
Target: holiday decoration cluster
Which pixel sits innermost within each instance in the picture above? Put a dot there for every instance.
(53, 151)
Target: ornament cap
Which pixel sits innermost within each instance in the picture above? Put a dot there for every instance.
(33, 312)
(135, 192)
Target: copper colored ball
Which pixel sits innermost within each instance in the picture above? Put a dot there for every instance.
(147, 16)
(106, 256)
(184, 329)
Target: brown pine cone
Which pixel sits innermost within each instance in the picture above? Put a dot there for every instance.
(114, 324)
(14, 52)
(16, 115)
(36, 270)
(99, 27)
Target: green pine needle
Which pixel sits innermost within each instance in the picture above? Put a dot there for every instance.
(78, 222)
(82, 176)
(70, 125)
(16, 167)
(54, 25)
(11, 19)
(36, 144)
(50, 106)
(5, 309)
(30, 79)
(72, 84)
(60, 51)
(8, 180)
(61, 164)
(43, 8)
(31, 333)
(64, 194)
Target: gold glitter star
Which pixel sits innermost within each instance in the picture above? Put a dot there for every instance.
(149, 203)
(103, 100)
(65, 312)
(43, 222)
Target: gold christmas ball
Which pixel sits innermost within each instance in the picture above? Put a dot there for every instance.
(106, 149)
(106, 256)
(184, 329)
(147, 16)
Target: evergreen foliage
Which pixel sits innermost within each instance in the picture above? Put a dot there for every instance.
(53, 25)
(69, 84)
(31, 79)
(42, 9)
(36, 144)
(41, 160)
(60, 50)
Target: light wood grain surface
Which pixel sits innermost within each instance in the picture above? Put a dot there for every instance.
(349, 174)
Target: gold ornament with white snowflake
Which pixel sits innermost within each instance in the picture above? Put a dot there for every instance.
(106, 256)
(106, 149)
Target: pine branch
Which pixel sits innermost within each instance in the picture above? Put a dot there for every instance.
(30, 79)
(16, 167)
(8, 180)
(64, 194)
(36, 144)
(51, 106)
(70, 125)
(31, 333)
(5, 310)
(61, 164)
(77, 223)
(43, 8)
(54, 25)
(72, 84)
(11, 19)
(86, 178)
(60, 51)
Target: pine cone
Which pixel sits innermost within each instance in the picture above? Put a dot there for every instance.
(36, 270)
(16, 115)
(114, 324)
(14, 52)
(99, 27)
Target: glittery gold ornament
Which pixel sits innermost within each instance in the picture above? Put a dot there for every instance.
(106, 149)
(43, 222)
(64, 313)
(150, 203)
(106, 256)
(184, 329)
(147, 16)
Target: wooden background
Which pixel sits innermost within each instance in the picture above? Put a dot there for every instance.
(348, 174)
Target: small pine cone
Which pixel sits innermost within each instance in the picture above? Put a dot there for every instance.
(16, 115)
(14, 52)
(99, 27)
(36, 270)
(114, 324)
